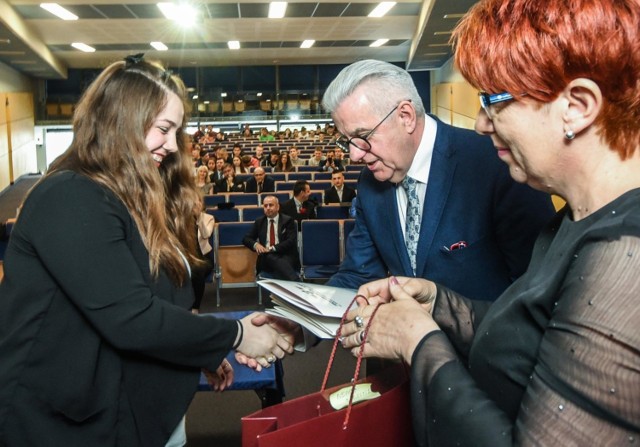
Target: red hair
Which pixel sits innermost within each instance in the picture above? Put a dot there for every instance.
(537, 47)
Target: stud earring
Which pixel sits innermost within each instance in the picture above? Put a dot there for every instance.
(569, 134)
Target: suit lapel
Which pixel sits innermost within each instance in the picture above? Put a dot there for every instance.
(441, 173)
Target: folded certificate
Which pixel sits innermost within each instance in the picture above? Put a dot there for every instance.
(314, 306)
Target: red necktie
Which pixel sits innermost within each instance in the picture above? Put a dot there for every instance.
(272, 234)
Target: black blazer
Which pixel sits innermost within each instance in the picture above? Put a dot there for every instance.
(287, 237)
(215, 176)
(103, 351)
(289, 208)
(331, 194)
(268, 185)
(223, 186)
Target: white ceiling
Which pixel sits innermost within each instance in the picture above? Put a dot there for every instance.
(38, 44)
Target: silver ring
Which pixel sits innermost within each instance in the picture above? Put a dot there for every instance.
(271, 358)
(361, 337)
(359, 321)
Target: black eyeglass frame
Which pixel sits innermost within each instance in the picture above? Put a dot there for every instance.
(344, 143)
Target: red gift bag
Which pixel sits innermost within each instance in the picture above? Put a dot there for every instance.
(310, 420)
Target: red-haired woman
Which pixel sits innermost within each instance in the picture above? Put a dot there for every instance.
(556, 359)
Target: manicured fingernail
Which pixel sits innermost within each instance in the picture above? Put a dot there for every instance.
(393, 280)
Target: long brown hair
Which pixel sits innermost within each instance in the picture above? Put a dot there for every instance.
(109, 128)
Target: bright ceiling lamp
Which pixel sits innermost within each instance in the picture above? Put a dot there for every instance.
(182, 13)
(159, 46)
(233, 45)
(382, 9)
(379, 43)
(277, 10)
(307, 44)
(59, 11)
(83, 47)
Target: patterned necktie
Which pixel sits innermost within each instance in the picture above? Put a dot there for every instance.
(412, 224)
(272, 234)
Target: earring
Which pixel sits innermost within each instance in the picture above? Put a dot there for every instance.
(569, 134)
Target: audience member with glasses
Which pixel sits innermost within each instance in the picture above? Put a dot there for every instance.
(460, 191)
(556, 359)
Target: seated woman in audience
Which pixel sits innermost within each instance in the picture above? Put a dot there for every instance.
(284, 164)
(556, 359)
(205, 225)
(202, 181)
(229, 183)
(98, 345)
(238, 167)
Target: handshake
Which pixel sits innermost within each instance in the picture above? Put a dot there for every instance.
(265, 338)
(262, 340)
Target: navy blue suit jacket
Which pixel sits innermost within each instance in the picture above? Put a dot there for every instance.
(470, 197)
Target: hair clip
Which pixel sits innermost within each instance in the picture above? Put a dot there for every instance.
(134, 59)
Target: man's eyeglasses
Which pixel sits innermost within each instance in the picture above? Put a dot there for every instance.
(361, 142)
(487, 100)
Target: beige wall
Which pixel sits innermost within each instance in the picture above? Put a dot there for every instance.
(17, 143)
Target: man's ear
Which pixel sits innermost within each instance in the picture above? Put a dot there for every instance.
(582, 104)
(408, 115)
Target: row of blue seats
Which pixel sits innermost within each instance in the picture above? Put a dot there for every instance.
(250, 213)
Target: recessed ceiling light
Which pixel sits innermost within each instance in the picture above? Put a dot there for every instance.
(435, 54)
(223, 94)
(183, 13)
(25, 62)
(206, 102)
(382, 9)
(233, 45)
(159, 46)
(259, 94)
(83, 47)
(194, 97)
(59, 11)
(307, 44)
(439, 44)
(453, 16)
(277, 10)
(12, 53)
(379, 43)
(442, 33)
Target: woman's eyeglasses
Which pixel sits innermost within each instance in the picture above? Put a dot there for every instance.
(487, 100)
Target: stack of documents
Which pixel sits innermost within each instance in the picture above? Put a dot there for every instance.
(317, 307)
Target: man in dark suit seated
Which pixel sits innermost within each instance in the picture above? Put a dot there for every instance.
(229, 183)
(339, 192)
(275, 239)
(260, 182)
(330, 164)
(300, 207)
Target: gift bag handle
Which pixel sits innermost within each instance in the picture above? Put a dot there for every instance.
(358, 361)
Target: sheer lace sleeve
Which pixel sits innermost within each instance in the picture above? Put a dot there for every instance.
(458, 317)
(585, 384)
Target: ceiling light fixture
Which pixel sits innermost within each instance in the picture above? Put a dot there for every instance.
(442, 33)
(223, 94)
(382, 9)
(454, 16)
(277, 10)
(233, 45)
(183, 13)
(307, 44)
(83, 47)
(259, 94)
(59, 11)
(379, 43)
(159, 46)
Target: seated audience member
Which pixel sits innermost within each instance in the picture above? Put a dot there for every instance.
(275, 239)
(246, 163)
(202, 180)
(265, 135)
(218, 173)
(339, 155)
(287, 133)
(258, 157)
(330, 164)
(295, 135)
(320, 137)
(295, 158)
(221, 152)
(304, 133)
(196, 158)
(339, 192)
(221, 136)
(260, 182)
(284, 163)
(238, 167)
(271, 162)
(246, 132)
(555, 359)
(317, 157)
(300, 207)
(237, 150)
(199, 273)
(229, 183)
